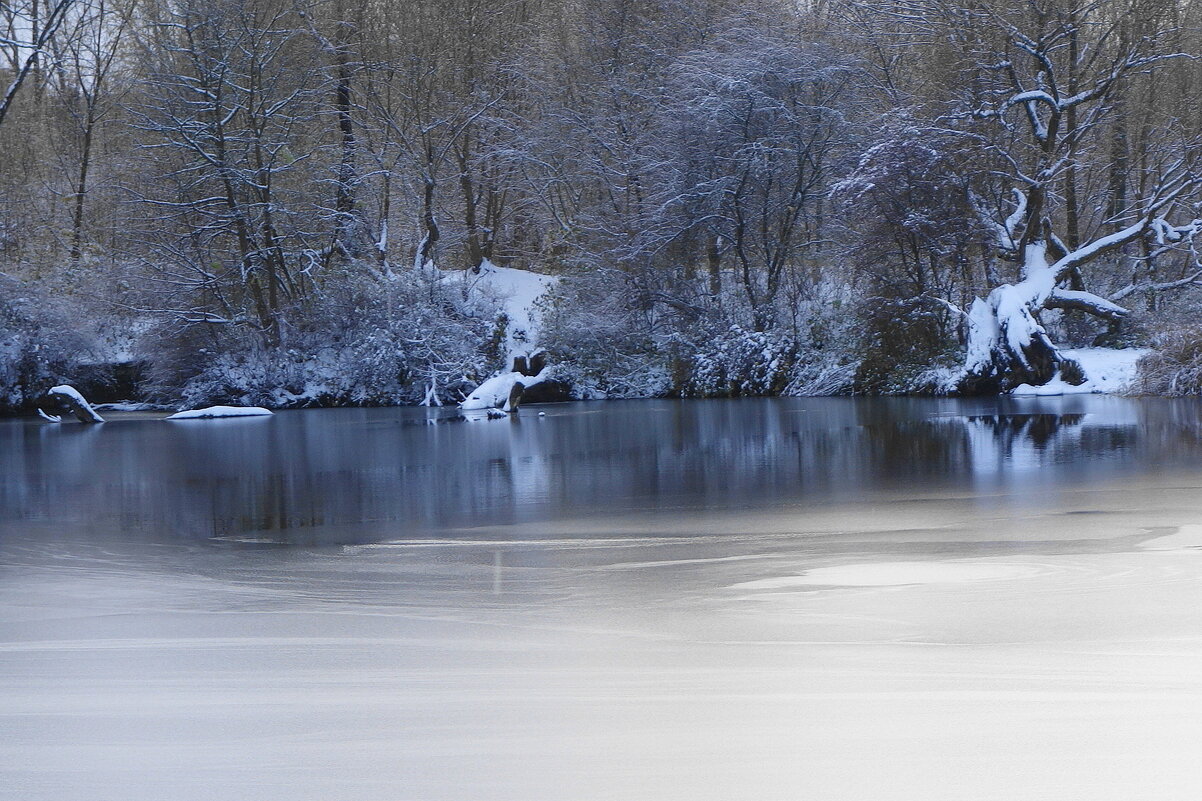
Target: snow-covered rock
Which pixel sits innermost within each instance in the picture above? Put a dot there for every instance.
(494, 393)
(213, 412)
(1106, 370)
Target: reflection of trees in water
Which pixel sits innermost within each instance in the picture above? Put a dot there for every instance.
(359, 475)
(1040, 429)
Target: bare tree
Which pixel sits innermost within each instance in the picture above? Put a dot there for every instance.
(86, 65)
(1043, 96)
(229, 119)
(28, 29)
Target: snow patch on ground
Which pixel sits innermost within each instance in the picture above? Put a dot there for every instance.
(1189, 536)
(213, 412)
(1106, 370)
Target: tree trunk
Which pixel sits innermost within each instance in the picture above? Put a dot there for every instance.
(344, 201)
(426, 250)
(81, 188)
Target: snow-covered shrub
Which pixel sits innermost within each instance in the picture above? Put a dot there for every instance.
(901, 342)
(1174, 367)
(360, 342)
(40, 345)
(742, 362)
(608, 340)
(738, 362)
(601, 343)
(825, 373)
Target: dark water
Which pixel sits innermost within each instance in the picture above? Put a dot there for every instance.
(342, 476)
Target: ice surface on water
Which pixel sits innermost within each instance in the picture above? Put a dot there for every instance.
(984, 637)
(886, 574)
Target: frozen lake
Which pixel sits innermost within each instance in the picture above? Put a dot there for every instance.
(755, 599)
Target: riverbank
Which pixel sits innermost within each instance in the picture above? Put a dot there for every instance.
(1106, 371)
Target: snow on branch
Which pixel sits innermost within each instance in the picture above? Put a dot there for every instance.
(1085, 301)
(1016, 218)
(1194, 279)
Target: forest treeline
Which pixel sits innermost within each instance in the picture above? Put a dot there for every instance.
(265, 201)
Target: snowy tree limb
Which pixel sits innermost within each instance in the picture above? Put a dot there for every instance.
(69, 396)
(1088, 302)
(1194, 279)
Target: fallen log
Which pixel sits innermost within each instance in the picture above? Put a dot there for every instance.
(69, 397)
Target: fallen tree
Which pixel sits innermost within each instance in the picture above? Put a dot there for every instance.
(69, 397)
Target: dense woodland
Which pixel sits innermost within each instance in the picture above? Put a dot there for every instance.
(277, 201)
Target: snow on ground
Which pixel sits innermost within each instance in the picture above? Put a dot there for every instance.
(896, 574)
(1106, 370)
(518, 291)
(212, 412)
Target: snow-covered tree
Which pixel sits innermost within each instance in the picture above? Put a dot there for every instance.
(1043, 88)
(229, 124)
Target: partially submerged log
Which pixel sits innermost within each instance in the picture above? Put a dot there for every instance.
(69, 397)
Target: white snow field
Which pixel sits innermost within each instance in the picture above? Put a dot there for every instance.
(518, 292)
(569, 660)
(1106, 370)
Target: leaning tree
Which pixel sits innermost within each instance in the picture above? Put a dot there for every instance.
(1043, 84)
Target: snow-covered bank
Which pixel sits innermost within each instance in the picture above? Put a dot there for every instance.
(518, 293)
(1106, 370)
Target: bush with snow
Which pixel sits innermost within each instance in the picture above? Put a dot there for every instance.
(40, 345)
(738, 362)
(360, 342)
(904, 346)
(603, 345)
(609, 342)
(1174, 366)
